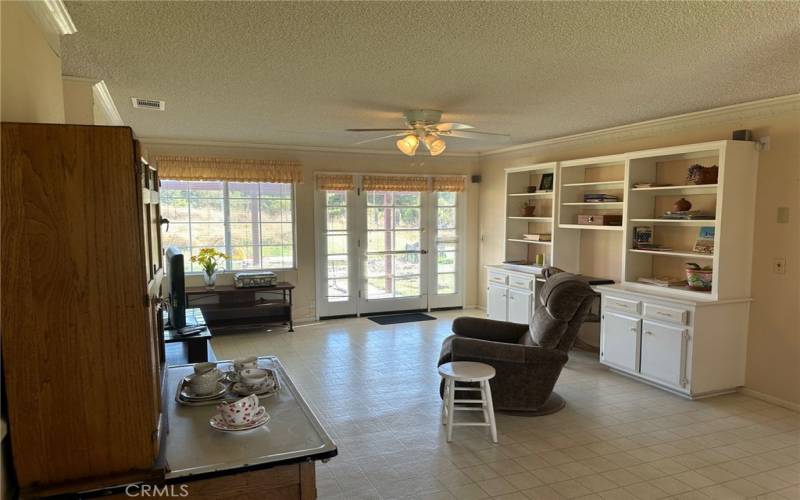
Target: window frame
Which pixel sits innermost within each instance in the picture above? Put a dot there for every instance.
(227, 228)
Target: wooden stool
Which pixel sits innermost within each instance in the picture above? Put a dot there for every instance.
(467, 371)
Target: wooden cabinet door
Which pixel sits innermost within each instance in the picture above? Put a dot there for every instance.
(619, 341)
(664, 352)
(519, 306)
(496, 303)
(76, 351)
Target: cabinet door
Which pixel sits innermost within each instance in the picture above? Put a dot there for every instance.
(496, 303)
(519, 307)
(619, 343)
(664, 352)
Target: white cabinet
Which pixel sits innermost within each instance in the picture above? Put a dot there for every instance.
(619, 341)
(692, 348)
(664, 352)
(510, 295)
(519, 306)
(497, 303)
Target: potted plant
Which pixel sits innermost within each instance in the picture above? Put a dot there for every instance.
(699, 278)
(209, 260)
(528, 209)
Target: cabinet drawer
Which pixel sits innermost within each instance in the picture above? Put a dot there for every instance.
(498, 278)
(620, 304)
(663, 313)
(521, 282)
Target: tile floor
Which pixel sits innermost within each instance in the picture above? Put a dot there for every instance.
(375, 389)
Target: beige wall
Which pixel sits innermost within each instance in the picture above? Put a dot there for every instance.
(30, 72)
(773, 366)
(314, 161)
(78, 102)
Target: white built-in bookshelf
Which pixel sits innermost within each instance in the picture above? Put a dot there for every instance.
(664, 173)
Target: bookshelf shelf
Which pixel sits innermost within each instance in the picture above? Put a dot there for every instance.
(673, 253)
(686, 189)
(544, 194)
(530, 242)
(594, 228)
(606, 204)
(677, 222)
(532, 219)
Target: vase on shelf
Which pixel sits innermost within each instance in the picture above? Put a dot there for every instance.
(210, 280)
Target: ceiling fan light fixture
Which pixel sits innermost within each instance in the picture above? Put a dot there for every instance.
(408, 145)
(435, 144)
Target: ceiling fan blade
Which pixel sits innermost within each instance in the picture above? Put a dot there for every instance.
(378, 129)
(379, 138)
(444, 127)
(464, 134)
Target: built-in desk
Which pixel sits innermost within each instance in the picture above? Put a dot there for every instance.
(278, 456)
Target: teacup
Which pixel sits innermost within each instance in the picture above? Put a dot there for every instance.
(200, 368)
(239, 412)
(244, 363)
(203, 384)
(253, 376)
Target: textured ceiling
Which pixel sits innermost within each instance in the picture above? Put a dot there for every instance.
(300, 73)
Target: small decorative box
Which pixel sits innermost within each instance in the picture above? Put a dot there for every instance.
(600, 220)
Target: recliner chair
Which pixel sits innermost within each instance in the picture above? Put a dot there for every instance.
(527, 358)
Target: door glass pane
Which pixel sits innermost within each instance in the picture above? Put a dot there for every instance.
(446, 242)
(337, 246)
(394, 240)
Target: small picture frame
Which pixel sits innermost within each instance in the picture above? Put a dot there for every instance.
(546, 183)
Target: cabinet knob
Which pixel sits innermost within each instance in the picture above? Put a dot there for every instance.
(634, 329)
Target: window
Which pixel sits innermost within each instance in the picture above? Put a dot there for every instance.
(250, 221)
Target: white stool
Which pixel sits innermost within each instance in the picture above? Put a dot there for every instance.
(467, 371)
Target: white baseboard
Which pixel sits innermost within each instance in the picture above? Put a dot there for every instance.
(770, 399)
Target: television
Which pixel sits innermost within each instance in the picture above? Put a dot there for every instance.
(176, 288)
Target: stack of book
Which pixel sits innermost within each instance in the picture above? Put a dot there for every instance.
(538, 237)
(688, 215)
(664, 281)
(599, 198)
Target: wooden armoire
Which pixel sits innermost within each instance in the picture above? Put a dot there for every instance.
(83, 361)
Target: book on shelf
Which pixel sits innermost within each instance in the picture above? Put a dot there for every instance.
(650, 185)
(642, 235)
(688, 215)
(705, 241)
(538, 237)
(599, 198)
(664, 281)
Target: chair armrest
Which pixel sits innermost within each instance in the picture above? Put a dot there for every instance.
(488, 329)
(468, 349)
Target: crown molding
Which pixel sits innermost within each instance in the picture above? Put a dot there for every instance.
(156, 141)
(763, 107)
(53, 18)
(102, 97)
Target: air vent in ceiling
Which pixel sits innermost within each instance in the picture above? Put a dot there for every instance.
(138, 102)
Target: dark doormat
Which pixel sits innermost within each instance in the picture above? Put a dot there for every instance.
(393, 319)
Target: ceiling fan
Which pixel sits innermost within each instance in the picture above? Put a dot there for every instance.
(424, 126)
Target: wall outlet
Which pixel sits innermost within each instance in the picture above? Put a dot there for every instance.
(779, 265)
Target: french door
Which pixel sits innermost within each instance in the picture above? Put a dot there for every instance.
(383, 251)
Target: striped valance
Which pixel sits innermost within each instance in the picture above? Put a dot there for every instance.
(336, 182)
(198, 168)
(395, 183)
(456, 183)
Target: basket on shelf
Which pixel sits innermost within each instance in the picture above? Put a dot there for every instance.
(699, 174)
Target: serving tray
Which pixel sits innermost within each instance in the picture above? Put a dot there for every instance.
(229, 394)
